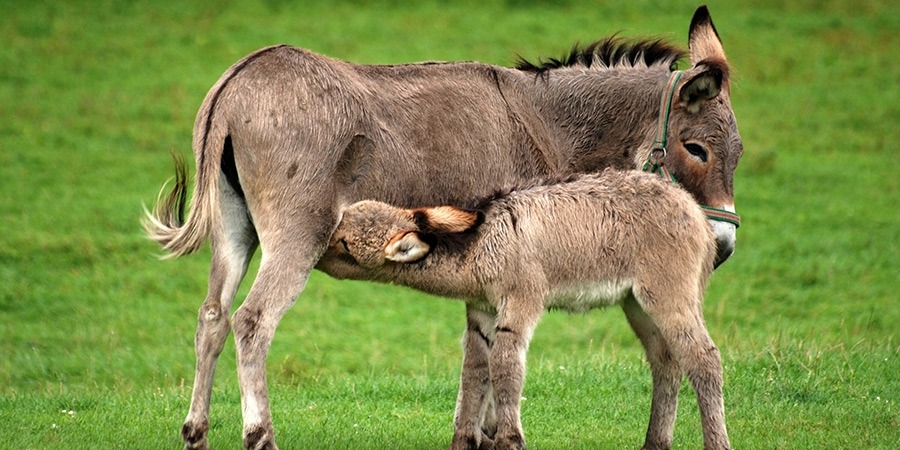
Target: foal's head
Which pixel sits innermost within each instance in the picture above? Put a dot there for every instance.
(373, 233)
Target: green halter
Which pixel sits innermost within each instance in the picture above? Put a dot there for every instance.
(655, 164)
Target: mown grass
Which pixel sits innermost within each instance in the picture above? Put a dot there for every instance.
(96, 334)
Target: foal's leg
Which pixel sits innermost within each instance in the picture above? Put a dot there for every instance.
(489, 416)
(517, 319)
(681, 325)
(231, 252)
(666, 377)
(475, 383)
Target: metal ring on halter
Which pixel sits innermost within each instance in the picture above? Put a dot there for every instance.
(654, 157)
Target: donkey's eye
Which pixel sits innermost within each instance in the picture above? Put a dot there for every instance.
(696, 150)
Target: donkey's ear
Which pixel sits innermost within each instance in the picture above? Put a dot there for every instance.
(406, 247)
(703, 39)
(704, 84)
(709, 76)
(446, 219)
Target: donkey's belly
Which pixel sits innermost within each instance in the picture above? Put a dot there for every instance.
(583, 297)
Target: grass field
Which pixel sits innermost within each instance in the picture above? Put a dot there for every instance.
(96, 334)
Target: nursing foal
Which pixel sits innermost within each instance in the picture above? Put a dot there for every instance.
(626, 238)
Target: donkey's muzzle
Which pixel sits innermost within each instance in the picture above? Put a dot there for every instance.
(725, 234)
(723, 251)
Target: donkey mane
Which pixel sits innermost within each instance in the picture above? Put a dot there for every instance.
(613, 51)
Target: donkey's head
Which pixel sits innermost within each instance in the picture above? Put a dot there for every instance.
(702, 144)
(373, 232)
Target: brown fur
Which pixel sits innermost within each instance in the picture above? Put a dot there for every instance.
(625, 238)
(286, 137)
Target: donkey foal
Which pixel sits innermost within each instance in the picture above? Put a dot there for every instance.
(624, 238)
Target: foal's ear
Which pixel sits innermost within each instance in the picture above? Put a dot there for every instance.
(705, 82)
(446, 219)
(406, 247)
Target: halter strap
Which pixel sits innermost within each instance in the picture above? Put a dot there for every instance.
(722, 215)
(665, 108)
(654, 162)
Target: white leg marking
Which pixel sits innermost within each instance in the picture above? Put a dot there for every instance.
(251, 411)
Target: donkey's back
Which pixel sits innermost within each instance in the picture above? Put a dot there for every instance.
(459, 121)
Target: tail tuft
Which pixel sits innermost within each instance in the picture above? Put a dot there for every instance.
(166, 224)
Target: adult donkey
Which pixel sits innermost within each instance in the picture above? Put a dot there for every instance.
(286, 137)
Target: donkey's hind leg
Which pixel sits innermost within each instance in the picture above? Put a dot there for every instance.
(666, 377)
(680, 322)
(290, 250)
(232, 250)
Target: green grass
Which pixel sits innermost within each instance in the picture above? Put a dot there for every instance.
(96, 334)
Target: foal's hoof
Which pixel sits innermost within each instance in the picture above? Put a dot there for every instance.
(471, 443)
(649, 446)
(510, 443)
(194, 435)
(260, 438)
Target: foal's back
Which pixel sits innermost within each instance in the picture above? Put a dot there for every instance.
(609, 228)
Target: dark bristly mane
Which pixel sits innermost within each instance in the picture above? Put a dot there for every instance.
(610, 52)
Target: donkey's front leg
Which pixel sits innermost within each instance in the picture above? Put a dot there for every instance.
(515, 325)
(475, 383)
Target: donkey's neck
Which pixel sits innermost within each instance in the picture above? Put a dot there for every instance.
(600, 118)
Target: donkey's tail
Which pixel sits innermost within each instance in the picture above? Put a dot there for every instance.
(166, 223)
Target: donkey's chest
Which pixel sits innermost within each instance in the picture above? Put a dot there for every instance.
(582, 297)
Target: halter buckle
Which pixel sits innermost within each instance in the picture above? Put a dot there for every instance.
(657, 155)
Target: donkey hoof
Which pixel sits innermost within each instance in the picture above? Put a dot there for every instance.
(260, 438)
(194, 435)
